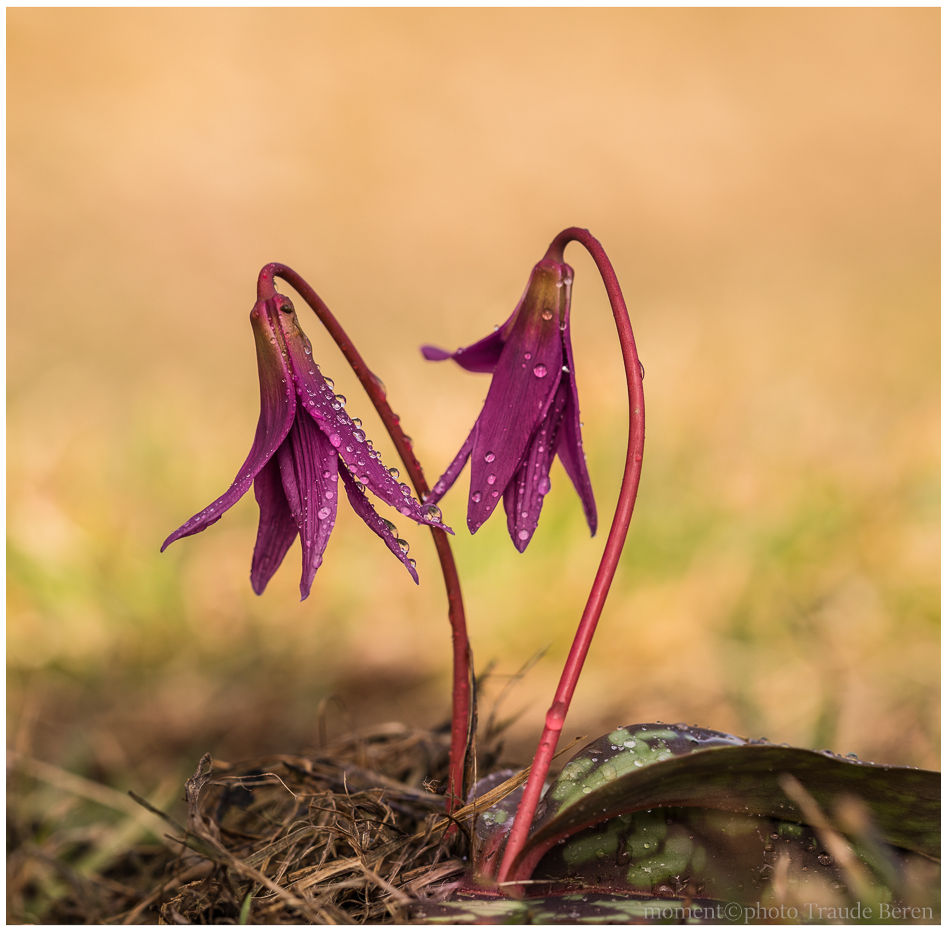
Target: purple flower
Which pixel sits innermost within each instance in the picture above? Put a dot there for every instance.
(531, 412)
(304, 442)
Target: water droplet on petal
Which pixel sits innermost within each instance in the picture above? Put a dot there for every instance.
(402, 545)
(475, 497)
(359, 435)
(394, 472)
(329, 495)
(357, 421)
(323, 513)
(491, 479)
(432, 513)
(543, 485)
(328, 381)
(523, 534)
(547, 312)
(335, 440)
(489, 457)
(539, 371)
(340, 399)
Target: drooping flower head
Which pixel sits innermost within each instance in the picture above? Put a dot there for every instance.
(531, 412)
(305, 441)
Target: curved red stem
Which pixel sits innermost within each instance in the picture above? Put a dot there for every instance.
(462, 691)
(513, 867)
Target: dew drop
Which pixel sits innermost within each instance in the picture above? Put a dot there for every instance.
(394, 472)
(402, 545)
(363, 479)
(340, 399)
(523, 534)
(555, 717)
(413, 562)
(359, 435)
(543, 486)
(489, 457)
(357, 421)
(547, 313)
(329, 495)
(527, 355)
(432, 513)
(475, 497)
(491, 479)
(328, 381)
(641, 368)
(539, 371)
(307, 350)
(335, 440)
(323, 513)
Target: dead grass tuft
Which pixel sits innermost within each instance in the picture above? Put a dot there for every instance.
(352, 834)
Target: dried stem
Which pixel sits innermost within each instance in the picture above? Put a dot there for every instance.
(462, 709)
(512, 867)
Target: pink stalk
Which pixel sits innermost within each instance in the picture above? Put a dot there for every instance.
(462, 692)
(512, 867)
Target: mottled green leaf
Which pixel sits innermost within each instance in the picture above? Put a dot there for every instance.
(644, 767)
(568, 908)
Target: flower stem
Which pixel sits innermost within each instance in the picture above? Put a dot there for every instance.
(462, 693)
(513, 867)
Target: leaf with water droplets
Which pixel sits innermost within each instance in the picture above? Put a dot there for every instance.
(642, 767)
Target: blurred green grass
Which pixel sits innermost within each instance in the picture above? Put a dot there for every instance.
(773, 220)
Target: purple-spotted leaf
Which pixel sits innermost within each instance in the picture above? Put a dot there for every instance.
(645, 767)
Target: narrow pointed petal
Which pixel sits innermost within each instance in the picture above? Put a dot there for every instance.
(453, 471)
(570, 449)
(277, 409)
(277, 528)
(481, 356)
(524, 385)
(328, 412)
(363, 508)
(308, 466)
(523, 497)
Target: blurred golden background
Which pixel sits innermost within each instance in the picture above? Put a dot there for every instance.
(766, 183)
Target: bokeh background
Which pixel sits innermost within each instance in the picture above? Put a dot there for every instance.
(767, 185)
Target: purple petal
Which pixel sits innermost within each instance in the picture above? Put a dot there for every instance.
(570, 449)
(524, 385)
(277, 409)
(277, 528)
(309, 471)
(363, 508)
(523, 497)
(355, 451)
(481, 356)
(452, 471)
